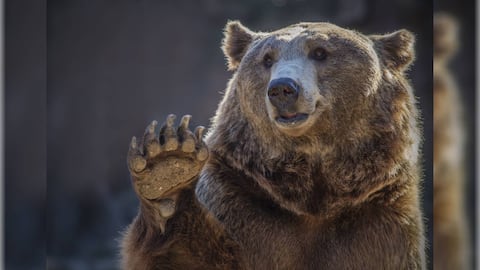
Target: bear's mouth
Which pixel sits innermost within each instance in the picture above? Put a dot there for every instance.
(291, 119)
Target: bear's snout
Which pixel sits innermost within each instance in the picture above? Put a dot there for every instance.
(283, 94)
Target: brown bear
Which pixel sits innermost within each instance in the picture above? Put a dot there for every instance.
(450, 233)
(311, 161)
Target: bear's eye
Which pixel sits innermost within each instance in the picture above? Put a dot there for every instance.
(319, 54)
(267, 61)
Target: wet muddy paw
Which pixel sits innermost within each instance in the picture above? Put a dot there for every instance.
(166, 160)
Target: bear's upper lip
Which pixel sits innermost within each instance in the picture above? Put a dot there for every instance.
(291, 118)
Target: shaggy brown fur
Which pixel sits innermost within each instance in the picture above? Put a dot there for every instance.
(338, 190)
(450, 248)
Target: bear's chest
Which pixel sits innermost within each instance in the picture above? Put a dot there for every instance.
(270, 237)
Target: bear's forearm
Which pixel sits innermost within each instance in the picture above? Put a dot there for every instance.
(190, 238)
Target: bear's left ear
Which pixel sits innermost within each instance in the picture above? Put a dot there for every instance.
(235, 43)
(396, 49)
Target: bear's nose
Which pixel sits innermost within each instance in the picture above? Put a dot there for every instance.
(283, 92)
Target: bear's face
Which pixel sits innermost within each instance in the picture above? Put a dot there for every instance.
(307, 76)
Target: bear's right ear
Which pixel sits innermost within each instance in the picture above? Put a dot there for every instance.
(236, 40)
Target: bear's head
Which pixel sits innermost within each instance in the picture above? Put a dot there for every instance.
(314, 108)
(305, 78)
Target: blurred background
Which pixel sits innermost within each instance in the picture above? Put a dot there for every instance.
(113, 66)
(454, 135)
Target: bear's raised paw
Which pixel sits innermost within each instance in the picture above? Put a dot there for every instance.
(167, 160)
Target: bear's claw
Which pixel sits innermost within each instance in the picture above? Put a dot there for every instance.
(151, 143)
(165, 162)
(136, 162)
(168, 135)
(202, 153)
(185, 135)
